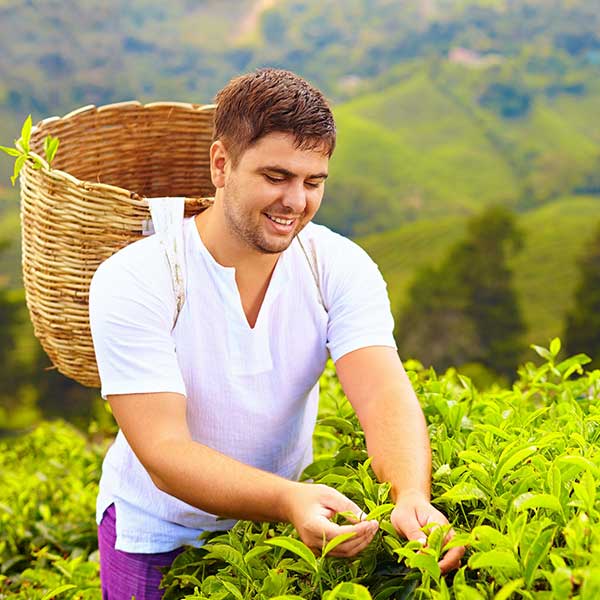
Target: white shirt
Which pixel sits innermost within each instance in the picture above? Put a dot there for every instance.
(252, 393)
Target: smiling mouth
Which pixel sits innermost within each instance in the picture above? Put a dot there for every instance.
(280, 220)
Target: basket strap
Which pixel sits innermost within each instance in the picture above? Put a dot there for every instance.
(167, 221)
(311, 257)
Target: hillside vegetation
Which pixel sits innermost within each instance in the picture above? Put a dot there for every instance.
(555, 236)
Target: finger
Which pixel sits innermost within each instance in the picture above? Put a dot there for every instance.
(406, 522)
(451, 559)
(339, 503)
(354, 546)
(326, 531)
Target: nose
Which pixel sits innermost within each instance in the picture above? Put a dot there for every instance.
(295, 198)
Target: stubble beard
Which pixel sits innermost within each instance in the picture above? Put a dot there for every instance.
(252, 234)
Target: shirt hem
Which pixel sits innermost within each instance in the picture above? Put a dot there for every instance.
(152, 387)
(338, 352)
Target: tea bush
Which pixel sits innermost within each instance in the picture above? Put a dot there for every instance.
(515, 470)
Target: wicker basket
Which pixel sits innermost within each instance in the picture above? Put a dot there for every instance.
(92, 203)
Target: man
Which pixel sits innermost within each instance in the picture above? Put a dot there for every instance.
(216, 414)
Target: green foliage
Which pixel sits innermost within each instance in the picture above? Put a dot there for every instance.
(543, 270)
(517, 471)
(467, 311)
(21, 152)
(48, 487)
(583, 320)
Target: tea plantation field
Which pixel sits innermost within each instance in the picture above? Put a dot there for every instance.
(516, 470)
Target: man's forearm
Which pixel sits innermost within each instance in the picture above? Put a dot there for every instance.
(380, 391)
(218, 484)
(397, 439)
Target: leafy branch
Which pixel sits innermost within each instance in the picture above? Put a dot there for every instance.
(21, 152)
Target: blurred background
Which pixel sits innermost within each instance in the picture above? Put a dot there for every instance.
(467, 165)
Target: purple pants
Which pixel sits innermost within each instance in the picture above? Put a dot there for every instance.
(125, 574)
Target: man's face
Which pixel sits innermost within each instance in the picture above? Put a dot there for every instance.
(273, 192)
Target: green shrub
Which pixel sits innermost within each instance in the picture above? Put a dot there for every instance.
(515, 470)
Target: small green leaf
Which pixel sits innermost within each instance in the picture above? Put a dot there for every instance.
(427, 563)
(535, 553)
(509, 589)
(529, 500)
(336, 541)
(498, 558)
(462, 492)
(555, 346)
(543, 352)
(59, 590)
(379, 511)
(488, 535)
(232, 589)
(10, 151)
(512, 460)
(18, 166)
(348, 591)
(342, 425)
(26, 134)
(51, 146)
(297, 547)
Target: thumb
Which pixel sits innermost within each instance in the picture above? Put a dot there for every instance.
(405, 521)
(339, 503)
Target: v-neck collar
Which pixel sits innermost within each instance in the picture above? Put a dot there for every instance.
(224, 278)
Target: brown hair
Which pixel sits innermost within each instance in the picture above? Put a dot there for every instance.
(272, 100)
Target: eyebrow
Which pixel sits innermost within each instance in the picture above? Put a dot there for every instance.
(286, 173)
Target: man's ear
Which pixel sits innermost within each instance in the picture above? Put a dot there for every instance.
(219, 160)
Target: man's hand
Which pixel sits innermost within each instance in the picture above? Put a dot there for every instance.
(310, 509)
(414, 511)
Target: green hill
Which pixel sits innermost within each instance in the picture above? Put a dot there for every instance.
(440, 142)
(545, 269)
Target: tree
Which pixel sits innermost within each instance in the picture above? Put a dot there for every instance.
(582, 327)
(467, 309)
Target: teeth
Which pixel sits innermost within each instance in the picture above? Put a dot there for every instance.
(281, 221)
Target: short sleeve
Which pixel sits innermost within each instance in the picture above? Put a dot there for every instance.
(358, 303)
(131, 309)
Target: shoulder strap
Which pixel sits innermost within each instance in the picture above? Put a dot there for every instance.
(167, 222)
(309, 252)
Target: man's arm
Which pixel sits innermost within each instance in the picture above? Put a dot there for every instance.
(156, 428)
(378, 388)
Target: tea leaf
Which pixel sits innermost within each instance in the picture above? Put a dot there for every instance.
(501, 559)
(427, 563)
(342, 425)
(542, 352)
(336, 541)
(510, 588)
(59, 590)
(536, 552)
(51, 148)
(348, 591)
(18, 166)
(232, 589)
(512, 460)
(10, 151)
(297, 547)
(461, 492)
(529, 500)
(378, 511)
(26, 134)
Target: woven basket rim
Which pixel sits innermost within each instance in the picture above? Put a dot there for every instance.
(92, 108)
